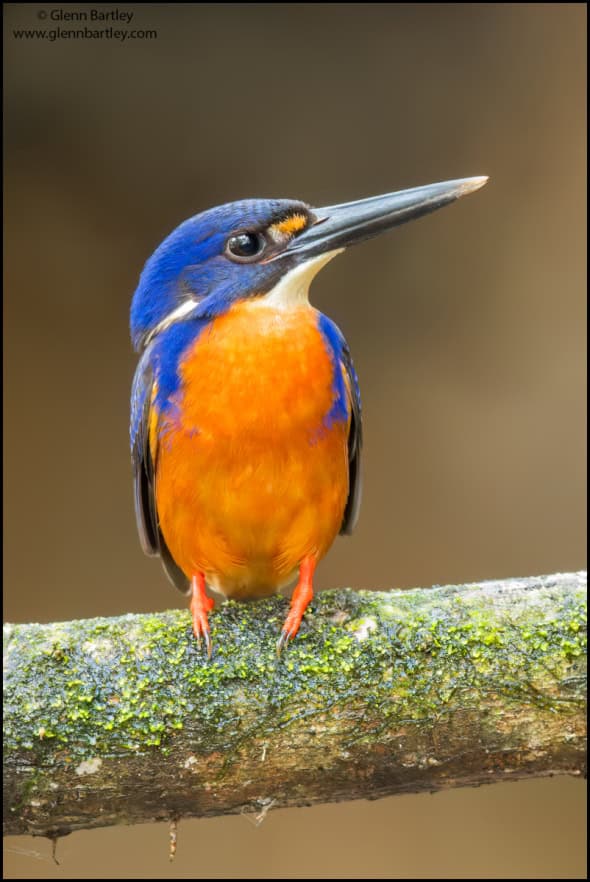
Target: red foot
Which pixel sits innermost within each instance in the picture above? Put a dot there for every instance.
(200, 605)
(299, 602)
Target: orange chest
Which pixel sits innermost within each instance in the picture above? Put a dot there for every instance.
(251, 477)
(259, 372)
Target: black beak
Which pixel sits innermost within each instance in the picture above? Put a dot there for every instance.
(338, 226)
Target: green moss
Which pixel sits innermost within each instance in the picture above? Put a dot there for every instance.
(140, 682)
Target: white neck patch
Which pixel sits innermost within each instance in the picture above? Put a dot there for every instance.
(293, 288)
(183, 309)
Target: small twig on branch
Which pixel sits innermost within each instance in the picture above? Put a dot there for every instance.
(111, 721)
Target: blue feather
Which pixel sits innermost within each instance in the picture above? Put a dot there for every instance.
(341, 409)
(337, 347)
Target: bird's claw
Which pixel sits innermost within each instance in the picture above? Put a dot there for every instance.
(283, 640)
(207, 638)
(290, 629)
(200, 605)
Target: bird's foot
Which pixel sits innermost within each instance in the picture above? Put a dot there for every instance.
(200, 605)
(299, 602)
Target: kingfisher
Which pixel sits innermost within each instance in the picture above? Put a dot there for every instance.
(245, 427)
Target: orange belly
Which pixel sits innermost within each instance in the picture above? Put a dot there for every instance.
(249, 478)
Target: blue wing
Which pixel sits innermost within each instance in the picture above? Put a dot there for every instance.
(141, 458)
(355, 442)
(347, 400)
(144, 470)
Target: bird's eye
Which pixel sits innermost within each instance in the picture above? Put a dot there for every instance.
(245, 246)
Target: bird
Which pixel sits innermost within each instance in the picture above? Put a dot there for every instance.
(245, 424)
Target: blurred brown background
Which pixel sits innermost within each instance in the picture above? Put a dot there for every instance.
(467, 328)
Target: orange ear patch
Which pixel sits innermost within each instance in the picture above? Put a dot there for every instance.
(289, 226)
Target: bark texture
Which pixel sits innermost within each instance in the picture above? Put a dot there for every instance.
(112, 721)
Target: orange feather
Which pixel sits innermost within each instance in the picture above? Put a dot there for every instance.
(249, 479)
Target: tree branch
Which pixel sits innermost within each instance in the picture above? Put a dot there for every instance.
(124, 720)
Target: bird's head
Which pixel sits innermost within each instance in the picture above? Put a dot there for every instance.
(264, 248)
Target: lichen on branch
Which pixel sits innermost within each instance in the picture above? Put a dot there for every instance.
(124, 720)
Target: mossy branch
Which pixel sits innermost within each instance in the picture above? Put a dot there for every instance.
(124, 720)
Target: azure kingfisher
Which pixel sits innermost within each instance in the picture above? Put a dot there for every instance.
(245, 407)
